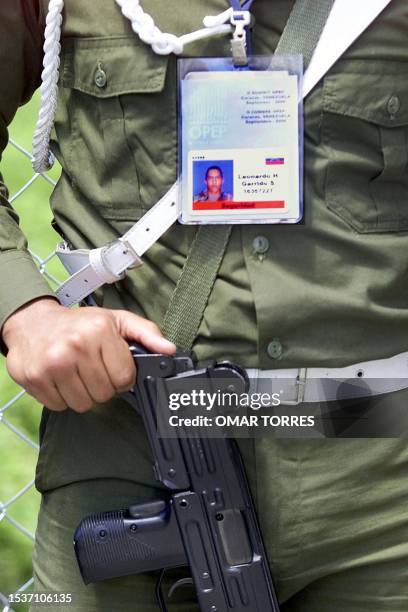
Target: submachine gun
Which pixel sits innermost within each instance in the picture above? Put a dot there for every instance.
(208, 521)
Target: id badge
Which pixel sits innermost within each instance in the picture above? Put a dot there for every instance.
(241, 145)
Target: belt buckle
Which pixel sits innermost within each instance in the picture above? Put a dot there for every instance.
(300, 385)
(128, 249)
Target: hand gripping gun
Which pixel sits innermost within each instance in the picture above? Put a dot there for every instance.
(208, 521)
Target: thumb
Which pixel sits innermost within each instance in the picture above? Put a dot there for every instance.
(132, 327)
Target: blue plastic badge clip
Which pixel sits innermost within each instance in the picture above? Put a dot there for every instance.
(240, 20)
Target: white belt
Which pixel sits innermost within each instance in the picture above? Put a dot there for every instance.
(295, 386)
(108, 264)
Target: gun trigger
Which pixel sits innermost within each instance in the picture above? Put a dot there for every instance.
(179, 583)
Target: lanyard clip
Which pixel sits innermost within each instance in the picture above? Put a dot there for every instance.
(240, 19)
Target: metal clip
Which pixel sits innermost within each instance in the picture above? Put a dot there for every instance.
(240, 19)
(301, 384)
(128, 249)
(299, 388)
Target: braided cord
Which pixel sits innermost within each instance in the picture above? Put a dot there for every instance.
(164, 43)
(144, 26)
(42, 158)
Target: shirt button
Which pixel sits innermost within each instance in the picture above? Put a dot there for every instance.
(260, 244)
(100, 77)
(274, 349)
(393, 106)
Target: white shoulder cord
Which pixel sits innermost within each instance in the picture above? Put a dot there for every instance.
(162, 43)
(42, 158)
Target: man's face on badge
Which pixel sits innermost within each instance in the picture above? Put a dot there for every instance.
(214, 181)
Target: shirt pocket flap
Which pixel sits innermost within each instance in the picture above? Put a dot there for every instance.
(378, 97)
(365, 136)
(115, 123)
(106, 67)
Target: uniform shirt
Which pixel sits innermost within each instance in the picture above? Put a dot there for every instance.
(205, 196)
(331, 290)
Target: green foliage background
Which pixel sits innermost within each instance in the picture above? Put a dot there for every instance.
(17, 459)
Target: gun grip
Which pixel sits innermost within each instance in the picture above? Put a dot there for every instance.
(121, 542)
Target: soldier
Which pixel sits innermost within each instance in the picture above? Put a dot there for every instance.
(214, 180)
(328, 293)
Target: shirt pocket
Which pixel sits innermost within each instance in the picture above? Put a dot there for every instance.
(365, 133)
(116, 125)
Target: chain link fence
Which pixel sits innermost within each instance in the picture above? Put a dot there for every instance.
(19, 414)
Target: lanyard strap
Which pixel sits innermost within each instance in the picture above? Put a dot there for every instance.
(237, 6)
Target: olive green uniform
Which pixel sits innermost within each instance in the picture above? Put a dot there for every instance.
(328, 292)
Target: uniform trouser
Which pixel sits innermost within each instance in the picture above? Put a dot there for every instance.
(334, 518)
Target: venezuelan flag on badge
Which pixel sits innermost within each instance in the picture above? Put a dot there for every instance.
(274, 161)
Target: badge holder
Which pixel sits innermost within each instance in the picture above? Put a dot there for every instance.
(241, 137)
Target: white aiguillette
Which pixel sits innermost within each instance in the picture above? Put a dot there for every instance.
(241, 141)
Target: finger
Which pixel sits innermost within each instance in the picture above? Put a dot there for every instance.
(74, 392)
(95, 378)
(49, 397)
(146, 333)
(33, 380)
(119, 365)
